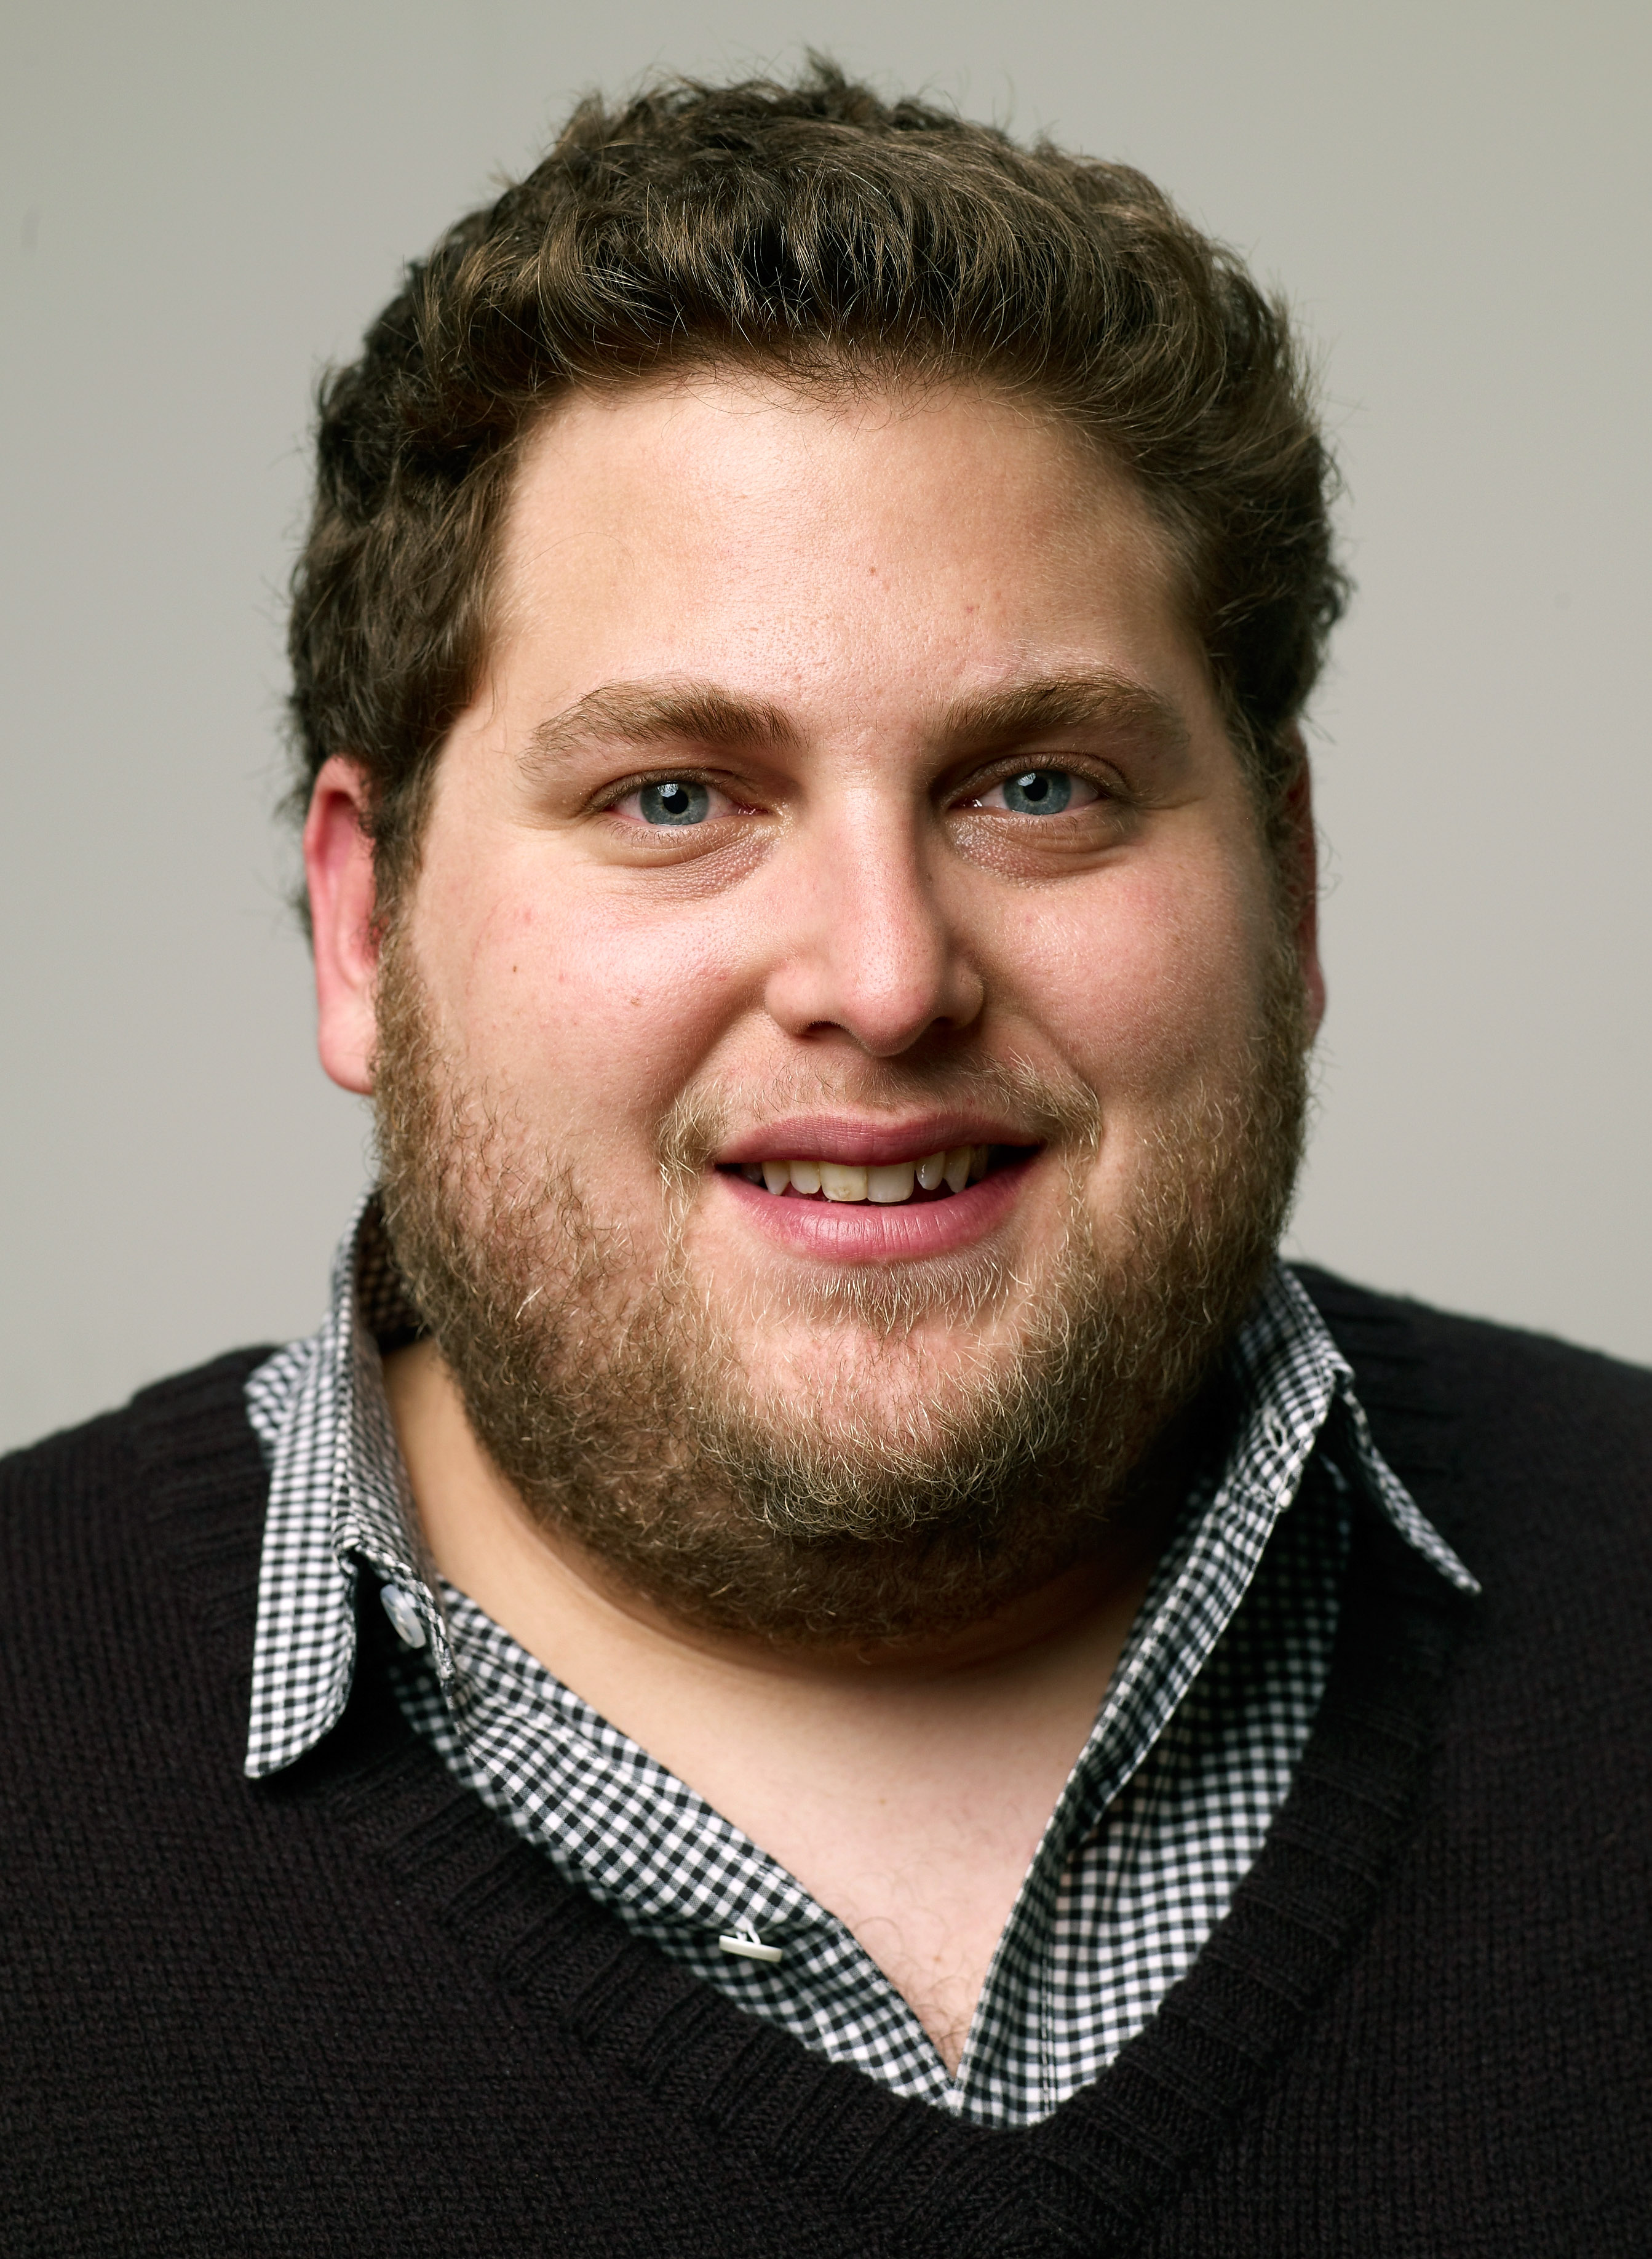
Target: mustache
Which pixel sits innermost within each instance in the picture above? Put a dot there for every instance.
(1050, 1107)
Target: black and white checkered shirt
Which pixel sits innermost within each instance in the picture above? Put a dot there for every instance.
(1190, 1757)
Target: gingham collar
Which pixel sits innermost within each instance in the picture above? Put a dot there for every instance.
(339, 1502)
(1293, 1382)
(1292, 1374)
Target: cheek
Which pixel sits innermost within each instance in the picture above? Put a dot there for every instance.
(590, 1024)
(1150, 983)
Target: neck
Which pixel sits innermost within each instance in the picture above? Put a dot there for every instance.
(906, 1786)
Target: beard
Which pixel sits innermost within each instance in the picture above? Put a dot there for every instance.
(898, 1486)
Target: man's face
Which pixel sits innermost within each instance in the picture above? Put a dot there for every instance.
(845, 792)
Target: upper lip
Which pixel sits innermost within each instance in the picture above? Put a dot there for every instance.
(872, 1144)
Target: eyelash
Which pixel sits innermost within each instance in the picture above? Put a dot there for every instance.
(971, 797)
(616, 794)
(1102, 790)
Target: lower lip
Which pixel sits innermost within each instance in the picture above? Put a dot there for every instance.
(861, 1232)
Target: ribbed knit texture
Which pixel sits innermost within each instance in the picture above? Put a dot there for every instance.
(347, 2011)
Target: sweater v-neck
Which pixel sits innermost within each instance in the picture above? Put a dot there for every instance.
(903, 2175)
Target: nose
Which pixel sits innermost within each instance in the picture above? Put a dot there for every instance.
(861, 940)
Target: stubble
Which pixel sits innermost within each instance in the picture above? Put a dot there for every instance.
(984, 1426)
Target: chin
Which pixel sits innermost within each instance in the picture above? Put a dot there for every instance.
(863, 1354)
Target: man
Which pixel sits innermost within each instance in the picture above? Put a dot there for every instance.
(824, 1654)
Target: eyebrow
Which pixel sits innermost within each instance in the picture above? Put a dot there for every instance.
(642, 715)
(1092, 698)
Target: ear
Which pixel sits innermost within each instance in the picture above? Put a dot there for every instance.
(1300, 849)
(339, 869)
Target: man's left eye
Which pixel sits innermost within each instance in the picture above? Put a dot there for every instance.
(1040, 792)
(670, 801)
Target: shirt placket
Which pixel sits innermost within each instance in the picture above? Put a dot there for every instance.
(1188, 1607)
(615, 1822)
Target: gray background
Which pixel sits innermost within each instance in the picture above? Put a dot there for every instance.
(203, 203)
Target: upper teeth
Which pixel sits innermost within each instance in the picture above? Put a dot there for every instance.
(954, 1167)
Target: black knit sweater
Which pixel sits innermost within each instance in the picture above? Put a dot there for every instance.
(348, 2011)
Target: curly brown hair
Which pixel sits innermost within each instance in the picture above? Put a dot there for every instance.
(815, 231)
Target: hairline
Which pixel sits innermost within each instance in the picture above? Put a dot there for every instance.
(843, 372)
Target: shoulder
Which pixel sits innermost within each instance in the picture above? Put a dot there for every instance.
(1532, 1382)
(1533, 1456)
(99, 1485)
(128, 1556)
(185, 1399)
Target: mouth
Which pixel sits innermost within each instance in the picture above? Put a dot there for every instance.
(839, 1189)
(939, 1175)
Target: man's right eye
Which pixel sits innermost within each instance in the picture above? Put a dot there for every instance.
(673, 800)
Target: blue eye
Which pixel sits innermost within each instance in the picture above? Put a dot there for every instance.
(1038, 792)
(675, 801)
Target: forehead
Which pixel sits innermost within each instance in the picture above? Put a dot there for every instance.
(731, 526)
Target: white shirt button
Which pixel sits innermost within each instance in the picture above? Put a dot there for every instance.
(746, 1945)
(398, 1605)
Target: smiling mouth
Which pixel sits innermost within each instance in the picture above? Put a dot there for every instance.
(938, 1176)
